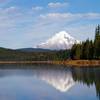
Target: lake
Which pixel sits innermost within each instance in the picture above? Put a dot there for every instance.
(49, 82)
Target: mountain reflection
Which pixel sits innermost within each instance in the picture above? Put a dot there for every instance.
(61, 78)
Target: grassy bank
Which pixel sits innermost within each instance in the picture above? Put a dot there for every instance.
(76, 63)
(79, 63)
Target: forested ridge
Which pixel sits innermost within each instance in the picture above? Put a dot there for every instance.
(16, 55)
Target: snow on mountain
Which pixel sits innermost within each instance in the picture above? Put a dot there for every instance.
(61, 40)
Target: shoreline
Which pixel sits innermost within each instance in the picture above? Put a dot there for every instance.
(75, 63)
(80, 63)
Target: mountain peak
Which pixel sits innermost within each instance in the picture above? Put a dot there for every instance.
(63, 34)
(61, 40)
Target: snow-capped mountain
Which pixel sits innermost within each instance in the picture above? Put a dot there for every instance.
(61, 40)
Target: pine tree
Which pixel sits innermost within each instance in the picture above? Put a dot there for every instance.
(91, 49)
(97, 43)
(78, 52)
(73, 51)
(85, 49)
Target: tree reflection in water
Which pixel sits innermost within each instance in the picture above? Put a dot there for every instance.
(87, 76)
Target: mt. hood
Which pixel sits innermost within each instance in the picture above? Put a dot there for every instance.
(59, 41)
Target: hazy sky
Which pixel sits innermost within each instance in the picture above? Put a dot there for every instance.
(25, 23)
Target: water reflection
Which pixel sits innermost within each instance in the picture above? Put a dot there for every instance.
(60, 77)
(87, 76)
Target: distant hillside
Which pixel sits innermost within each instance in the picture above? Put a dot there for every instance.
(29, 54)
(33, 50)
(5, 49)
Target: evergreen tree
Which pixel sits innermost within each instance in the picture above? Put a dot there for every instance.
(91, 49)
(73, 51)
(97, 43)
(78, 52)
(87, 49)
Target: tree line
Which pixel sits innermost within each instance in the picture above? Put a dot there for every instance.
(89, 49)
(16, 55)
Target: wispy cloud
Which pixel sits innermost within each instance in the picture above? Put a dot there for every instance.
(14, 25)
(91, 15)
(12, 19)
(37, 8)
(11, 9)
(70, 16)
(5, 20)
(57, 4)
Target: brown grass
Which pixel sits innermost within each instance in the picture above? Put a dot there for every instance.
(83, 63)
(76, 63)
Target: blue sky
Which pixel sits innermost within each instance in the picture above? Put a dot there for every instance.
(26, 23)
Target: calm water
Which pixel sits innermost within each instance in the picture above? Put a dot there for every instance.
(49, 82)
